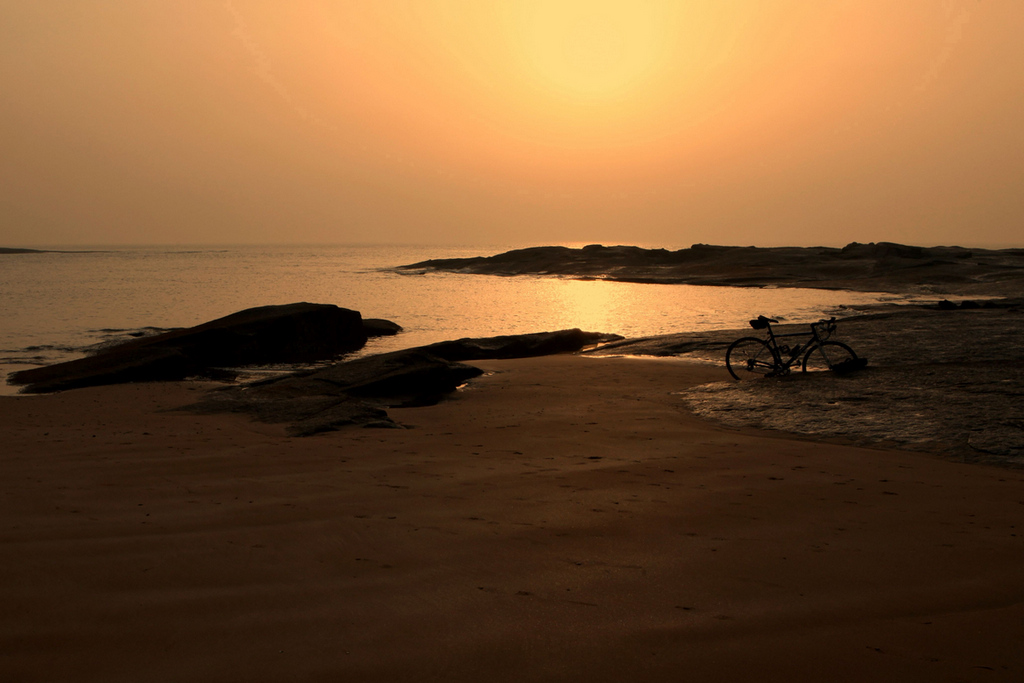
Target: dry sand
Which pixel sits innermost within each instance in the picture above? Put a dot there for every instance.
(564, 518)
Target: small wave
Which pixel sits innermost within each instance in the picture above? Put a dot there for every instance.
(132, 331)
(198, 251)
(23, 360)
(52, 347)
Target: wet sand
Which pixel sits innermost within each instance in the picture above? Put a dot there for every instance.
(563, 518)
(944, 381)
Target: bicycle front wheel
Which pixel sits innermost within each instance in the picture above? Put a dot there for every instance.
(830, 355)
(750, 358)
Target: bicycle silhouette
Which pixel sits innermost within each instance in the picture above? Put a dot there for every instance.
(751, 358)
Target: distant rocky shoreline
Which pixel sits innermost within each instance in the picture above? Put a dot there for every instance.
(20, 250)
(881, 267)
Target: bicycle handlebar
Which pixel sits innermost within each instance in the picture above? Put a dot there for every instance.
(824, 328)
(761, 322)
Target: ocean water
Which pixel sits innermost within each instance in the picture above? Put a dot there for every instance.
(58, 306)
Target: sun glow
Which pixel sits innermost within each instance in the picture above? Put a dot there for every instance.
(544, 117)
(538, 88)
(592, 50)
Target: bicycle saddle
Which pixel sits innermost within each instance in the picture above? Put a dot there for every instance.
(762, 322)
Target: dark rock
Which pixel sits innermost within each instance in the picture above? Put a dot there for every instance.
(20, 250)
(349, 393)
(342, 414)
(882, 250)
(308, 415)
(946, 305)
(399, 378)
(707, 344)
(376, 327)
(130, 365)
(356, 392)
(16, 250)
(882, 266)
(292, 333)
(969, 304)
(518, 345)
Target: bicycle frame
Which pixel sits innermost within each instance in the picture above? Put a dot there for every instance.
(750, 357)
(794, 353)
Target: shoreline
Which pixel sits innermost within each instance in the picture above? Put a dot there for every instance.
(940, 380)
(954, 371)
(560, 518)
(872, 267)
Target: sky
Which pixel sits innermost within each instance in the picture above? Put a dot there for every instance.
(657, 123)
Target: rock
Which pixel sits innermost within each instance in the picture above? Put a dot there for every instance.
(342, 414)
(291, 333)
(356, 392)
(946, 305)
(20, 250)
(400, 378)
(881, 250)
(349, 393)
(376, 327)
(883, 266)
(705, 345)
(518, 345)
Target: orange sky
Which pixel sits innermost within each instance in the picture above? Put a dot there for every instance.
(505, 121)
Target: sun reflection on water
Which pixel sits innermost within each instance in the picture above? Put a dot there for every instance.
(59, 304)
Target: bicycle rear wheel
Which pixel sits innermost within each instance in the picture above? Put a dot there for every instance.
(750, 358)
(830, 355)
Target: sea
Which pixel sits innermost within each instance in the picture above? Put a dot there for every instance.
(56, 306)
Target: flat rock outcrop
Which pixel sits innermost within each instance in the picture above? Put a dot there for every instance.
(21, 250)
(882, 266)
(518, 345)
(358, 392)
(355, 392)
(943, 380)
(377, 327)
(290, 333)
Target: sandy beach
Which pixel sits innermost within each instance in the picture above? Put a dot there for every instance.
(525, 342)
(561, 518)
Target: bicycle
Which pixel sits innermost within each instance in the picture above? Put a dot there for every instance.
(751, 358)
